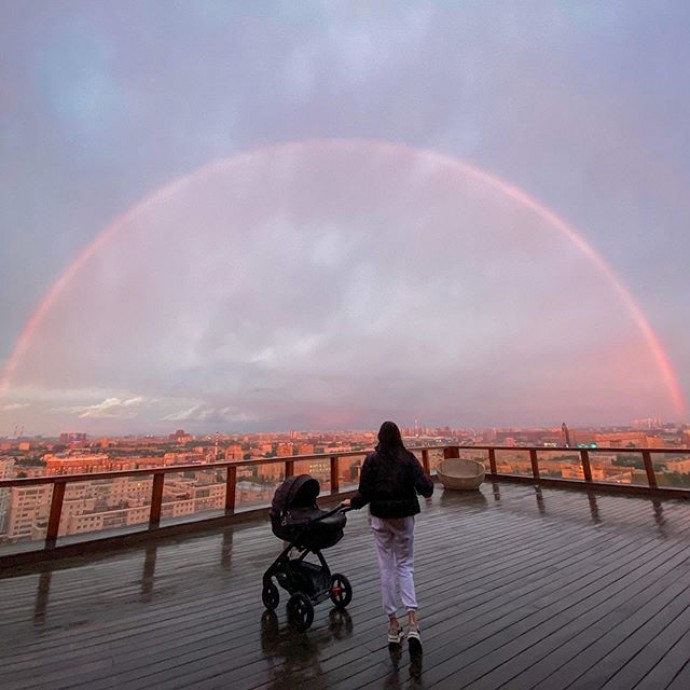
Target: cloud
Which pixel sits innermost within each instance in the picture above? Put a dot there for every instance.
(110, 408)
(332, 277)
(202, 412)
(14, 406)
(198, 412)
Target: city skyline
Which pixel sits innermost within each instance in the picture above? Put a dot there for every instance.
(326, 217)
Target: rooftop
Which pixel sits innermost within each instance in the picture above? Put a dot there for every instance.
(519, 587)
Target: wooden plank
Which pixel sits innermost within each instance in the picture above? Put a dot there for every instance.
(580, 631)
(513, 585)
(672, 663)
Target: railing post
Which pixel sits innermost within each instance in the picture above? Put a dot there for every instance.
(492, 461)
(425, 460)
(649, 468)
(535, 463)
(586, 467)
(451, 452)
(289, 468)
(230, 485)
(335, 478)
(55, 513)
(156, 499)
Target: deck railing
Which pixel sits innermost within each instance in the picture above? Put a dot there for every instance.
(486, 453)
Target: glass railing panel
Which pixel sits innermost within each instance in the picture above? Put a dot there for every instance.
(560, 464)
(103, 506)
(476, 454)
(24, 513)
(435, 457)
(513, 461)
(193, 493)
(618, 467)
(256, 484)
(319, 468)
(349, 470)
(349, 467)
(672, 469)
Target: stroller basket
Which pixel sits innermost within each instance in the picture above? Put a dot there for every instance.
(305, 577)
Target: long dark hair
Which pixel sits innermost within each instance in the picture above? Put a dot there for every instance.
(390, 445)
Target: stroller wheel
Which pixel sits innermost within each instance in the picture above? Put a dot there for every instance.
(300, 611)
(270, 596)
(341, 590)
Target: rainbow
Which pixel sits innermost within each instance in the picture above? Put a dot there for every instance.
(505, 188)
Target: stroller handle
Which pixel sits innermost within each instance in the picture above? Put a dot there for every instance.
(338, 509)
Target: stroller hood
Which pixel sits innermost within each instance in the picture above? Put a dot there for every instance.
(295, 517)
(299, 491)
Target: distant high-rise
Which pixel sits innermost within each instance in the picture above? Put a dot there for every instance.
(72, 437)
(566, 435)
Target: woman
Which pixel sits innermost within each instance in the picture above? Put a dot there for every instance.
(389, 482)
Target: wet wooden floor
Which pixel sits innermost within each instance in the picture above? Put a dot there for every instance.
(519, 588)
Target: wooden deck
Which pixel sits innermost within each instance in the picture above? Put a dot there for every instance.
(519, 588)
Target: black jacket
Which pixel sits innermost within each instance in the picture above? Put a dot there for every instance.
(391, 486)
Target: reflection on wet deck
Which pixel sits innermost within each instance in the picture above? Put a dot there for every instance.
(520, 587)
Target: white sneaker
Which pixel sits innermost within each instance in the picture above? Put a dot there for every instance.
(414, 639)
(395, 636)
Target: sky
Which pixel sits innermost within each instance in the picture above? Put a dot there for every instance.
(225, 216)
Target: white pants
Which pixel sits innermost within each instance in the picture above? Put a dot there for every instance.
(394, 540)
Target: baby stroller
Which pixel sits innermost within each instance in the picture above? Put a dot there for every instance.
(297, 519)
